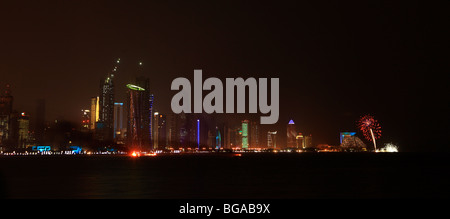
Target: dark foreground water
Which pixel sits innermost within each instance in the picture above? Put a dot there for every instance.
(307, 175)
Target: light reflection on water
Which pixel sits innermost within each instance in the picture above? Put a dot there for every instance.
(226, 176)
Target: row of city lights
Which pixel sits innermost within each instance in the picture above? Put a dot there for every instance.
(388, 148)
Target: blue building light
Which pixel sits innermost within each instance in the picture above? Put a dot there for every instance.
(344, 134)
(41, 148)
(75, 149)
(198, 134)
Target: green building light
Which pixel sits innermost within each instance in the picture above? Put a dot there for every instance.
(134, 87)
(245, 134)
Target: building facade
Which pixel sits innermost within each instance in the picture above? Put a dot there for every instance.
(85, 120)
(138, 134)
(23, 122)
(272, 139)
(159, 131)
(6, 103)
(245, 142)
(105, 131)
(94, 110)
(254, 135)
(291, 135)
(119, 125)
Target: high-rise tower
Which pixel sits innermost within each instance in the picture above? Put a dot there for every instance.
(85, 119)
(23, 122)
(291, 135)
(146, 107)
(272, 139)
(94, 112)
(6, 101)
(137, 131)
(245, 134)
(254, 135)
(159, 131)
(118, 122)
(106, 106)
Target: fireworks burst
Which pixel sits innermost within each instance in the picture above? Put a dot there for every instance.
(370, 128)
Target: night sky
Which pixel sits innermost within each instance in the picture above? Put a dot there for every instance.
(336, 60)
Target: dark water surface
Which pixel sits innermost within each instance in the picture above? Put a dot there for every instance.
(307, 175)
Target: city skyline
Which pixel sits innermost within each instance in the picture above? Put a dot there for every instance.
(332, 67)
(142, 137)
(211, 106)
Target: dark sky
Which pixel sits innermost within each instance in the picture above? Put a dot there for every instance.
(336, 60)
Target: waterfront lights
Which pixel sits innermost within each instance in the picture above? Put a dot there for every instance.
(135, 154)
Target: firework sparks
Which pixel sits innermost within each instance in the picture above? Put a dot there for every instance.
(389, 147)
(370, 128)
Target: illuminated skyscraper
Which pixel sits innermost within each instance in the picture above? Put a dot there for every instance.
(6, 101)
(308, 142)
(300, 141)
(85, 120)
(150, 111)
(227, 137)
(147, 107)
(159, 131)
(138, 134)
(272, 139)
(245, 134)
(218, 139)
(119, 129)
(173, 130)
(106, 109)
(106, 106)
(155, 133)
(235, 137)
(94, 112)
(23, 131)
(254, 135)
(183, 139)
(162, 129)
(291, 135)
(198, 134)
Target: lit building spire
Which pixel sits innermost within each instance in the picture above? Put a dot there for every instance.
(116, 66)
